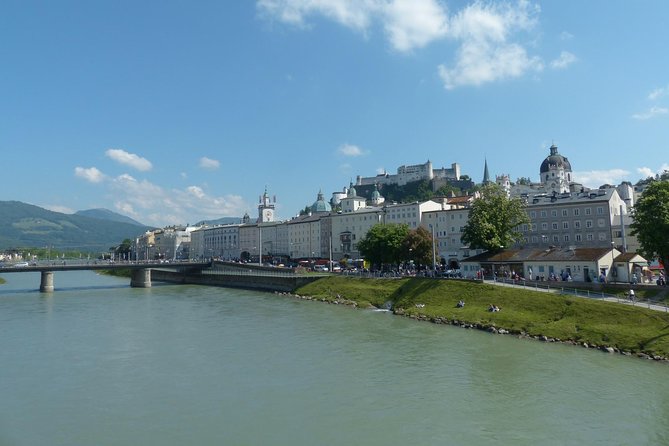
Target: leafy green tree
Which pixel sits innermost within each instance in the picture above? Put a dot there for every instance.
(651, 222)
(123, 250)
(446, 190)
(382, 245)
(417, 246)
(524, 181)
(494, 220)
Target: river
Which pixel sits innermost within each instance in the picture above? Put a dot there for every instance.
(99, 363)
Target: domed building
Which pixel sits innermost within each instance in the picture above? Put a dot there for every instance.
(555, 172)
(320, 205)
(377, 198)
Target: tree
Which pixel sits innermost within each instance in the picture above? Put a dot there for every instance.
(524, 181)
(123, 250)
(494, 220)
(651, 222)
(417, 246)
(382, 245)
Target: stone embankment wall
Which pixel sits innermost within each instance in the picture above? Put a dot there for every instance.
(261, 283)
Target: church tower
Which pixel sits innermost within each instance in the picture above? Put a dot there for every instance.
(555, 172)
(266, 208)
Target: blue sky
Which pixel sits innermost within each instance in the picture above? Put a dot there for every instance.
(173, 112)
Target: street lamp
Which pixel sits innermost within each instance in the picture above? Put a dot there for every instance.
(612, 245)
(434, 252)
(260, 245)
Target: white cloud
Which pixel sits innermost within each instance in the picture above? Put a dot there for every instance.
(566, 58)
(658, 93)
(564, 35)
(195, 191)
(209, 164)
(486, 53)
(651, 113)
(350, 150)
(413, 24)
(91, 174)
(160, 207)
(596, 178)
(129, 159)
(352, 14)
(482, 31)
(646, 172)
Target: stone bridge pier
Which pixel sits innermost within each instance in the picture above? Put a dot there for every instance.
(46, 282)
(141, 278)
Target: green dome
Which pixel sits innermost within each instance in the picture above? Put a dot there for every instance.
(320, 205)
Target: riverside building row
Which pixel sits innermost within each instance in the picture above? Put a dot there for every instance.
(562, 215)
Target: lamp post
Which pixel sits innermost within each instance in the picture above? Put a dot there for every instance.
(434, 253)
(260, 245)
(612, 258)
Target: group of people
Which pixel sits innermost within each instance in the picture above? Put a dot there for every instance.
(492, 308)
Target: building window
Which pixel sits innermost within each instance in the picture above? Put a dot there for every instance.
(565, 238)
(556, 239)
(588, 211)
(589, 237)
(602, 236)
(577, 212)
(554, 213)
(543, 214)
(555, 226)
(565, 225)
(577, 224)
(533, 214)
(588, 223)
(544, 226)
(600, 210)
(578, 237)
(600, 222)
(564, 212)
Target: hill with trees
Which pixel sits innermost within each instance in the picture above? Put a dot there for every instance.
(25, 225)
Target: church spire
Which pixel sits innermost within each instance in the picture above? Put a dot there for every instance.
(486, 174)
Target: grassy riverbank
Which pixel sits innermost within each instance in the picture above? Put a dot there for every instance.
(599, 323)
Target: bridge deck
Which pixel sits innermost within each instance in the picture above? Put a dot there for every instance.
(72, 266)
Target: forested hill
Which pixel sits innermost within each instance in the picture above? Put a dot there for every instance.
(24, 225)
(106, 214)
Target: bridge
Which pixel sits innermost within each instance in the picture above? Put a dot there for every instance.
(140, 271)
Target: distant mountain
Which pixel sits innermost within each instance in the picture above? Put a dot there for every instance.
(106, 214)
(24, 225)
(221, 221)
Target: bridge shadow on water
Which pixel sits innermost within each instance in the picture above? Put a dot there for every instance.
(65, 288)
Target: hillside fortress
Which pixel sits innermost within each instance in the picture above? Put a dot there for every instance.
(408, 174)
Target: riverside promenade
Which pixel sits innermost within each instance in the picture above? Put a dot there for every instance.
(558, 288)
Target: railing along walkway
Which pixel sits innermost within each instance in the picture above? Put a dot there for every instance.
(555, 287)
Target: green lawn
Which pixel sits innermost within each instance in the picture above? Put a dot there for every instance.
(628, 328)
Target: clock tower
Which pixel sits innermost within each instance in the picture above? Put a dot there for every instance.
(266, 208)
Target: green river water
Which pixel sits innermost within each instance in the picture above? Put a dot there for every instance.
(99, 363)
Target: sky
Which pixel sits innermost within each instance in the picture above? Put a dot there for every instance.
(171, 112)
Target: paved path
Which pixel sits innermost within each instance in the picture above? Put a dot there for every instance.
(657, 306)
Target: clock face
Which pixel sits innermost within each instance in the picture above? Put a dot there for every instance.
(268, 215)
